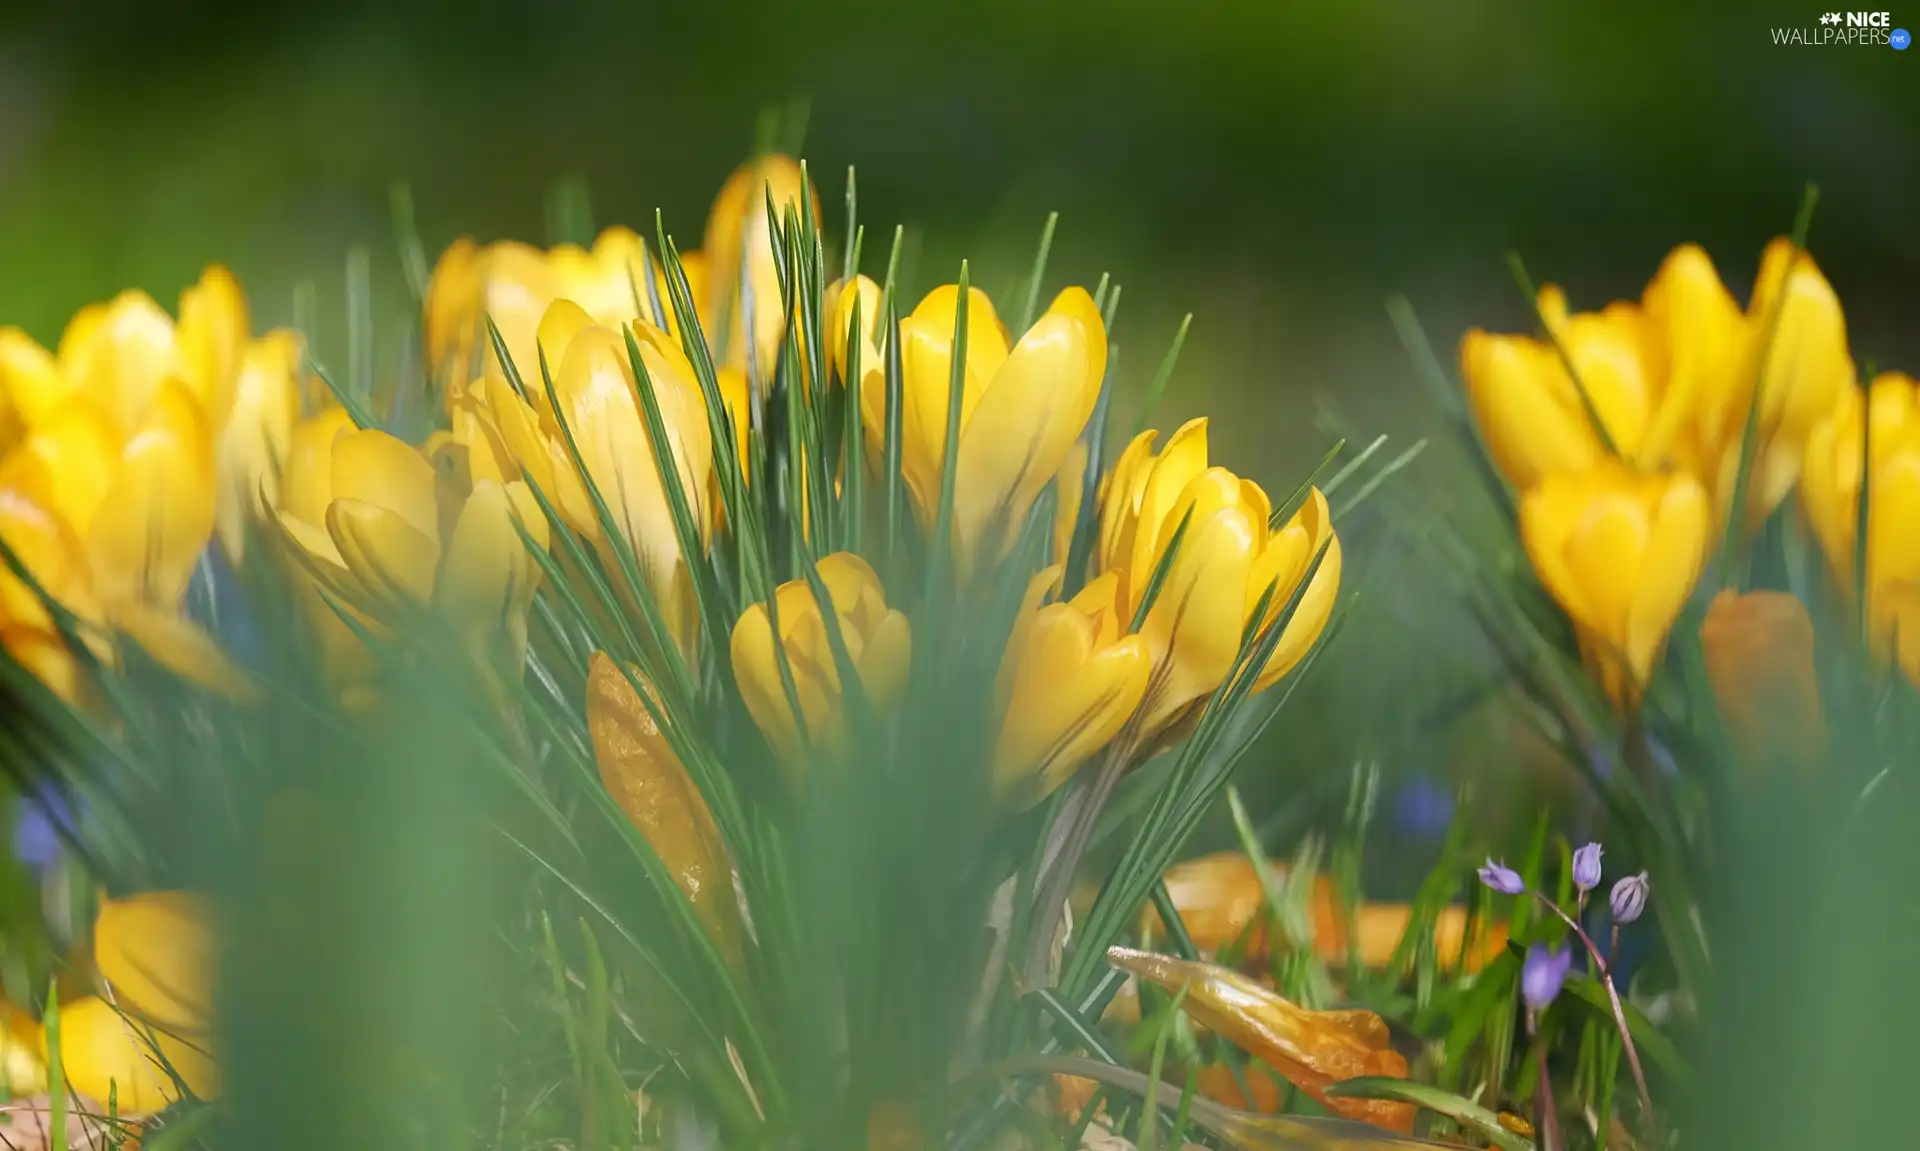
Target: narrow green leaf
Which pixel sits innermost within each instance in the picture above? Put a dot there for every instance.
(1465, 1112)
(950, 471)
(1158, 387)
(1646, 1036)
(1037, 276)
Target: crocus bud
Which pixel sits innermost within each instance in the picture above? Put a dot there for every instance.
(1586, 868)
(1543, 973)
(1502, 878)
(1629, 898)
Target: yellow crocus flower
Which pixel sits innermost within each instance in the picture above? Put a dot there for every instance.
(740, 260)
(1646, 368)
(1070, 680)
(599, 399)
(1619, 551)
(877, 638)
(1021, 411)
(1830, 492)
(387, 546)
(1229, 557)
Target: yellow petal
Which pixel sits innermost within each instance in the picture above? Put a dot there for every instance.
(52, 555)
(307, 480)
(1310, 532)
(176, 644)
(1069, 700)
(453, 293)
(926, 356)
(1026, 424)
(67, 462)
(739, 251)
(155, 951)
(106, 1055)
(158, 511)
(562, 321)
(1529, 417)
(374, 468)
(31, 385)
(120, 353)
(1163, 484)
(488, 579)
(258, 436)
(597, 396)
(387, 554)
(213, 336)
(1195, 625)
(640, 770)
(1676, 553)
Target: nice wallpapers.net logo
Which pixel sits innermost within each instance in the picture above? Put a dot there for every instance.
(1846, 29)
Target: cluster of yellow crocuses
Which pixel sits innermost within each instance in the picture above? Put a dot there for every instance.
(1076, 671)
(121, 456)
(1622, 432)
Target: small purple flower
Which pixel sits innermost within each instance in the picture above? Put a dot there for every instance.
(1543, 974)
(1502, 878)
(36, 829)
(1586, 868)
(1629, 898)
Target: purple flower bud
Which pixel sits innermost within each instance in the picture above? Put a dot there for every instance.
(1502, 878)
(1629, 898)
(1543, 973)
(1586, 868)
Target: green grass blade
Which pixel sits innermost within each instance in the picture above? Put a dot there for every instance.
(1158, 387)
(1030, 304)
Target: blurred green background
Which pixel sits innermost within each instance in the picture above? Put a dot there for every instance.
(1276, 168)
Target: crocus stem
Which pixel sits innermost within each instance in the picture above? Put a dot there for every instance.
(1549, 1115)
(1619, 1016)
(1613, 948)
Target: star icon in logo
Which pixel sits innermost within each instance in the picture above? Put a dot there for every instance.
(1830, 18)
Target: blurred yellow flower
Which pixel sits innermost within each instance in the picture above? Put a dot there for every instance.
(1758, 648)
(1830, 491)
(647, 779)
(154, 954)
(1070, 680)
(1021, 411)
(740, 260)
(1231, 554)
(1671, 378)
(1619, 551)
(515, 284)
(1645, 368)
(877, 639)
